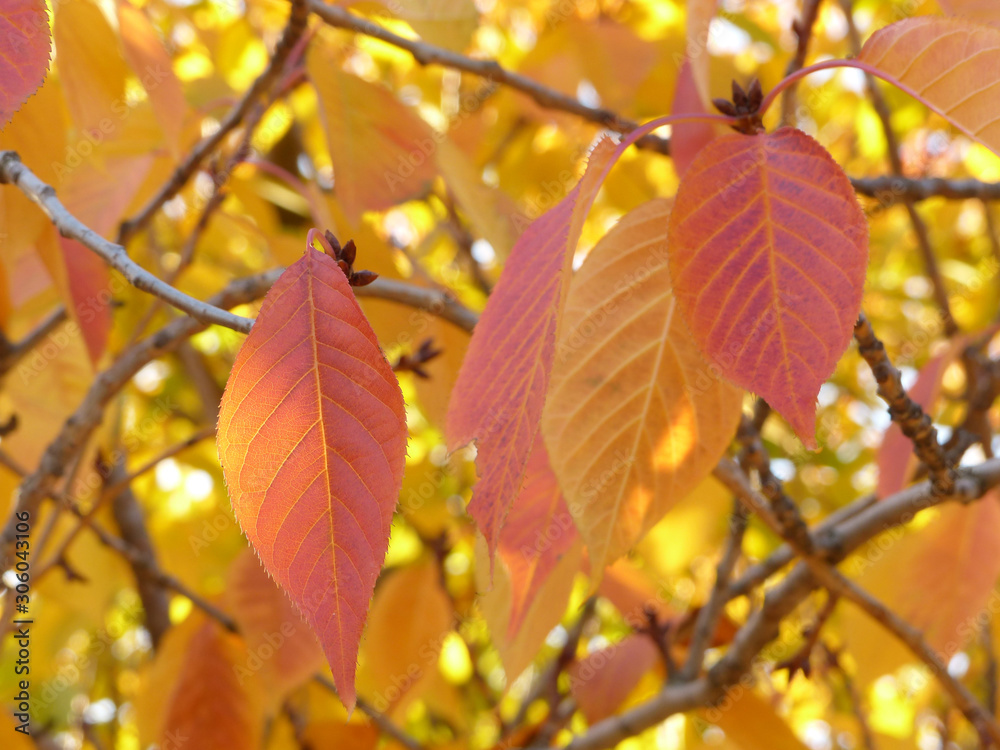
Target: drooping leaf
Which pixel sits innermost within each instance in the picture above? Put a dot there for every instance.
(278, 639)
(953, 64)
(938, 578)
(312, 439)
(91, 69)
(602, 680)
(768, 250)
(397, 661)
(517, 651)
(382, 152)
(501, 387)
(24, 58)
(538, 532)
(633, 420)
(209, 707)
(152, 66)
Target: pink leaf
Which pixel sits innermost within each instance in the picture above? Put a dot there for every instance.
(24, 55)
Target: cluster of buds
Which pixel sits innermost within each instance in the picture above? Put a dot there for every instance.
(745, 105)
(344, 256)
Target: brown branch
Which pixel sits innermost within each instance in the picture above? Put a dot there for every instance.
(297, 21)
(428, 54)
(803, 28)
(905, 412)
(835, 582)
(131, 522)
(439, 303)
(833, 664)
(896, 165)
(14, 172)
(890, 188)
(380, 720)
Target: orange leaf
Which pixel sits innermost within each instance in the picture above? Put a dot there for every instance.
(768, 249)
(209, 708)
(283, 649)
(601, 681)
(538, 532)
(946, 62)
(501, 387)
(382, 152)
(340, 735)
(312, 439)
(939, 578)
(152, 66)
(397, 658)
(91, 69)
(633, 421)
(24, 27)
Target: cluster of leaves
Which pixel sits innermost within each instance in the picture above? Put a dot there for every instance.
(639, 316)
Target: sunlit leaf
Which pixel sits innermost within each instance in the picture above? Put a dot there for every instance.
(953, 64)
(398, 660)
(768, 251)
(634, 419)
(382, 152)
(312, 438)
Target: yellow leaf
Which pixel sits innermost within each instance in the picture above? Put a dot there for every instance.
(91, 68)
(634, 420)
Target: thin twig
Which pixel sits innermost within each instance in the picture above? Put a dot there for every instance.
(803, 28)
(708, 616)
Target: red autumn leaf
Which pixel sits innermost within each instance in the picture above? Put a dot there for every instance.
(501, 387)
(538, 532)
(768, 249)
(312, 439)
(987, 11)
(699, 23)
(210, 706)
(24, 56)
(601, 681)
(951, 64)
(688, 138)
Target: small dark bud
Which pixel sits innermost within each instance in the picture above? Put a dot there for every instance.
(362, 278)
(349, 252)
(755, 94)
(725, 107)
(739, 96)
